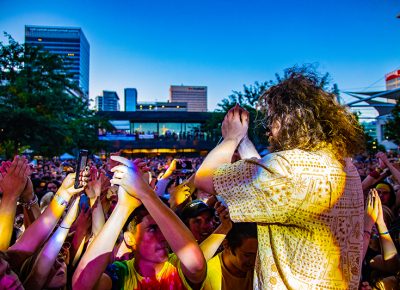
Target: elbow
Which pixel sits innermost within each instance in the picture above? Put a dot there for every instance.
(204, 182)
(197, 181)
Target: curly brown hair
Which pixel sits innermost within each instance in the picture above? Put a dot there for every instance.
(311, 118)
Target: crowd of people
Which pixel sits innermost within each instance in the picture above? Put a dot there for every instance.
(298, 218)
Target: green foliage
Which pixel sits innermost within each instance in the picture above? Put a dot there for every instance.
(392, 128)
(371, 145)
(39, 106)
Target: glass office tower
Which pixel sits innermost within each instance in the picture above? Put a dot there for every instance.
(69, 42)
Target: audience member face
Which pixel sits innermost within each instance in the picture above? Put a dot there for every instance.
(52, 187)
(58, 274)
(244, 257)
(384, 195)
(8, 279)
(202, 225)
(151, 243)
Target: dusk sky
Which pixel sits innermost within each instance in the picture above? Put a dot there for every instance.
(151, 45)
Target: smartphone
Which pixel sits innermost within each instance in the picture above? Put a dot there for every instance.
(80, 165)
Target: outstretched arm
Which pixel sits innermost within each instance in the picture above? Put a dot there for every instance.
(393, 170)
(247, 150)
(47, 256)
(40, 230)
(97, 256)
(12, 183)
(175, 232)
(93, 191)
(370, 216)
(210, 245)
(234, 128)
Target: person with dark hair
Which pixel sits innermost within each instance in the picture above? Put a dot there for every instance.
(305, 196)
(199, 218)
(233, 268)
(155, 228)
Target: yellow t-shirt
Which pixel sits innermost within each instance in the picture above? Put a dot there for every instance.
(219, 278)
(309, 213)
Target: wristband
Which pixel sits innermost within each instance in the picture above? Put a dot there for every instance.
(61, 201)
(382, 234)
(30, 203)
(64, 227)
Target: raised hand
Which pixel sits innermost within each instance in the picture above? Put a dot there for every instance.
(235, 124)
(383, 160)
(371, 209)
(178, 195)
(67, 189)
(93, 188)
(223, 214)
(13, 178)
(130, 175)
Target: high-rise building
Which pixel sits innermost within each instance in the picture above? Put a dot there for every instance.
(130, 99)
(68, 42)
(392, 80)
(110, 101)
(98, 106)
(194, 96)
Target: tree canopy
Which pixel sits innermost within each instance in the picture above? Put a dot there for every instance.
(392, 128)
(40, 107)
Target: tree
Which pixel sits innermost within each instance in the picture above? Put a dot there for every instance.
(392, 128)
(40, 106)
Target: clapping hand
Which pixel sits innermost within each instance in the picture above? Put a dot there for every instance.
(235, 124)
(13, 177)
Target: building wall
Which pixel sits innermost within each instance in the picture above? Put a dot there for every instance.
(110, 101)
(99, 103)
(69, 43)
(130, 99)
(194, 96)
(392, 80)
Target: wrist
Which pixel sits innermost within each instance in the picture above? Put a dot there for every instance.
(127, 208)
(63, 194)
(9, 201)
(28, 204)
(233, 140)
(60, 200)
(368, 223)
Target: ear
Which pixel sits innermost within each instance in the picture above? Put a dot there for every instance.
(129, 239)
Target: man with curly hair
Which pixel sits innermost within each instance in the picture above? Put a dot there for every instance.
(305, 196)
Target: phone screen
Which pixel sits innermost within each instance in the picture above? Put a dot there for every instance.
(80, 165)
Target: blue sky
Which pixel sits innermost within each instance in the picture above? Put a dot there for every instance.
(151, 45)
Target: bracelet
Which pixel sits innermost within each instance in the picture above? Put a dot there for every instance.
(30, 203)
(64, 227)
(60, 200)
(367, 232)
(382, 234)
